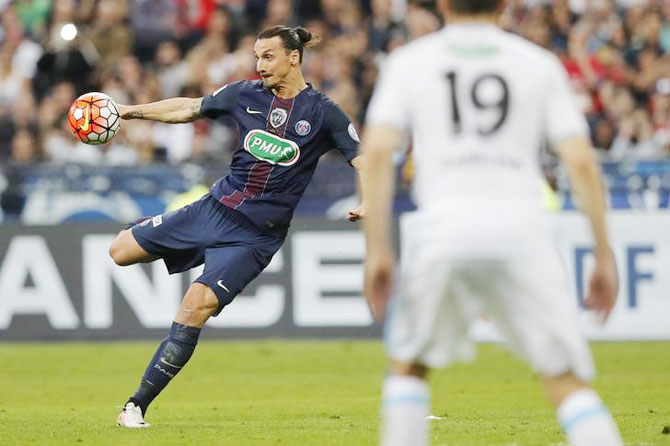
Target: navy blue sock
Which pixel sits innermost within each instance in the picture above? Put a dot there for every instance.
(173, 353)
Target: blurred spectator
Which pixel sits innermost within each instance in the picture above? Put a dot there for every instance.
(330, 11)
(24, 148)
(193, 18)
(420, 22)
(174, 142)
(110, 33)
(33, 14)
(211, 60)
(603, 134)
(69, 56)
(635, 137)
(153, 22)
(615, 55)
(660, 114)
(278, 12)
(381, 26)
(18, 59)
(131, 76)
(239, 64)
(173, 71)
(615, 52)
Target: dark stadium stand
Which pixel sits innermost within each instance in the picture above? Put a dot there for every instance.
(615, 53)
(147, 190)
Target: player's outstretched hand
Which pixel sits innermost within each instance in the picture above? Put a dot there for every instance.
(603, 286)
(378, 282)
(357, 213)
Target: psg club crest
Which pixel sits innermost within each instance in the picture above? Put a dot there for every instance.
(278, 117)
(303, 127)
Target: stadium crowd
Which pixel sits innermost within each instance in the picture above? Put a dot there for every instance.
(615, 52)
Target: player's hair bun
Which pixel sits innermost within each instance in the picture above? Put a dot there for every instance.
(292, 38)
(307, 39)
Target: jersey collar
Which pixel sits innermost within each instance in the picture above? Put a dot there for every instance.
(304, 90)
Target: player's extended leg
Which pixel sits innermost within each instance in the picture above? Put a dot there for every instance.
(125, 250)
(405, 406)
(583, 416)
(173, 353)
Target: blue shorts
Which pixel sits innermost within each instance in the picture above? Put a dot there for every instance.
(233, 250)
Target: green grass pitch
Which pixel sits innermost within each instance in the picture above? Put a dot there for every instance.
(304, 393)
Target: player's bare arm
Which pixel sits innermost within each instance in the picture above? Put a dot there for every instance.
(171, 111)
(377, 185)
(587, 186)
(360, 211)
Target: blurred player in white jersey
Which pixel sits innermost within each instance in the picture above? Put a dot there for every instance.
(479, 103)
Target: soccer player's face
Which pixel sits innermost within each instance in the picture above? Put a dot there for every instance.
(273, 62)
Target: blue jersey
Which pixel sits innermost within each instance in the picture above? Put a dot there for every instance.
(280, 143)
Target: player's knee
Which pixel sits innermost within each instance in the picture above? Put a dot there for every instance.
(209, 303)
(118, 253)
(206, 307)
(201, 300)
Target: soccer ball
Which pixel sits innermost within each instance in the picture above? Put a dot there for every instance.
(94, 118)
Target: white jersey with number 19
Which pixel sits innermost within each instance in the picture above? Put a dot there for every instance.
(480, 103)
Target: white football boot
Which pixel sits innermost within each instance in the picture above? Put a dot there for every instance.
(131, 416)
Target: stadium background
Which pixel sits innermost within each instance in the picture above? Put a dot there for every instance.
(61, 203)
(57, 195)
(144, 50)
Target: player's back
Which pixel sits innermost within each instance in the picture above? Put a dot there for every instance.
(479, 103)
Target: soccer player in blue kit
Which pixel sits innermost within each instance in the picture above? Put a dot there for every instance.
(285, 126)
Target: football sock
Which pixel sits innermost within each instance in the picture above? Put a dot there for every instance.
(586, 421)
(405, 402)
(172, 354)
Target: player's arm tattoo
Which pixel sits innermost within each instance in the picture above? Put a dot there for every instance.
(136, 114)
(173, 110)
(196, 110)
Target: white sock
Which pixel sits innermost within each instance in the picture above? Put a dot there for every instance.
(586, 421)
(405, 403)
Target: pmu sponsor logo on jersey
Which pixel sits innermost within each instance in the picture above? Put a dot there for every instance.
(271, 148)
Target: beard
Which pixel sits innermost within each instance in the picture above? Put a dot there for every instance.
(270, 82)
(276, 79)
(270, 85)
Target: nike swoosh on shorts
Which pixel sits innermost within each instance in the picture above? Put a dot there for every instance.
(219, 283)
